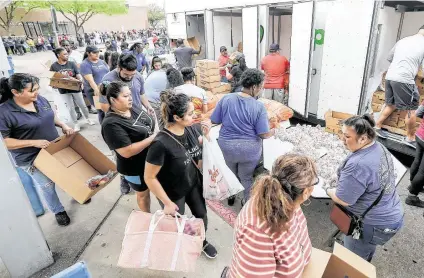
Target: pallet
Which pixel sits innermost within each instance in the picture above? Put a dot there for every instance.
(395, 130)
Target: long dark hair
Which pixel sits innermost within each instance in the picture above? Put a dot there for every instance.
(274, 194)
(18, 82)
(174, 77)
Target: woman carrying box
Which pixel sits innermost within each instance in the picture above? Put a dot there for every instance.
(28, 124)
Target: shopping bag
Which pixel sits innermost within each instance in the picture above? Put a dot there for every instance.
(219, 182)
(162, 242)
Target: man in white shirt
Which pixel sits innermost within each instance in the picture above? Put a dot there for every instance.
(406, 58)
(73, 56)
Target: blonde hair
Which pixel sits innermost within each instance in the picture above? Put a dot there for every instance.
(274, 194)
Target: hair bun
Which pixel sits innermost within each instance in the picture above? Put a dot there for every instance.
(369, 118)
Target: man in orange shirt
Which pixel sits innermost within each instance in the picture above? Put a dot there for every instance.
(223, 61)
(276, 68)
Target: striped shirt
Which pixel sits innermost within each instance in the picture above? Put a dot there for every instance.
(259, 253)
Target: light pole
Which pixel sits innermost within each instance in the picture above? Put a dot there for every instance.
(54, 25)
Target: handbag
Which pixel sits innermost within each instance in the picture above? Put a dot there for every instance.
(347, 222)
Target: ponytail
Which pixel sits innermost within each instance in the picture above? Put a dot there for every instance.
(173, 104)
(111, 89)
(274, 195)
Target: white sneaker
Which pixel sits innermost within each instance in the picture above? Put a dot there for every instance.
(77, 128)
(90, 122)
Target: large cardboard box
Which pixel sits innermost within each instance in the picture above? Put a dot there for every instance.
(207, 64)
(62, 81)
(223, 88)
(339, 264)
(70, 162)
(334, 121)
(207, 72)
(208, 85)
(209, 78)
(193, 43)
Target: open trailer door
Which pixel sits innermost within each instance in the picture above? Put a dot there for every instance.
(176, 25)
(210, 46)
(301, 56)
(250, 36)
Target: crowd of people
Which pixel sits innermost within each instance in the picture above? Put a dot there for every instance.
(152, 128)
(15, 45)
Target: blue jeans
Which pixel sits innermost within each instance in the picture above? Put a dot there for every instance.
(242, 157)
(371, 237)
(46, 186)
(31, 192)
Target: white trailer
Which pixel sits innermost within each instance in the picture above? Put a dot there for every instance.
(337, 49)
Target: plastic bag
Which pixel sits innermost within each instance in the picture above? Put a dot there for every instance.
(62, 110)
(219, 182)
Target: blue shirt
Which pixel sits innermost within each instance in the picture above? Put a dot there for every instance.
(18, 123)
(98, 70)
(136, 86)
(361, 179)
(156, 82)
(241, 117)
(141, 60)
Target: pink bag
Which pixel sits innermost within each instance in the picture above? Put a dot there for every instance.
(162, 242)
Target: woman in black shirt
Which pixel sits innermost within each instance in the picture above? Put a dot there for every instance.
(236, 73)
(174, 161)
(128, 131)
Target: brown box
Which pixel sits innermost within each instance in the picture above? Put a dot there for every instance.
(207, 71)
(209, 78)
(376, 107)
(395, 130)
(193, 43)
(208, 85)
(58, 80)
(334, 119)
(70, 162)
(223, 88)
(340, 263)
(207, 64)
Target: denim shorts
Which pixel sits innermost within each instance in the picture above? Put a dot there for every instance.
(136, 183)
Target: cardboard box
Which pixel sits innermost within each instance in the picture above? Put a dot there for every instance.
(207, 64)
(193, 43)
(376, 107)
(335, 119)
(208, 85)
(224, 88)
(62, 81)
(70, 162)
(209, 78)
(339, 264)
(208, 72)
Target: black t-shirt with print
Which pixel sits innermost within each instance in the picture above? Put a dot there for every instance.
(69, 69)
(119, 132)
(178, 173)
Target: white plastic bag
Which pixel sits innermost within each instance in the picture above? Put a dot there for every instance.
(61, 108)
(219, 182)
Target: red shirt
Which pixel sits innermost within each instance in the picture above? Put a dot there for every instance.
(155, 39)
(259, 253)
(275, 67)
(223, 60)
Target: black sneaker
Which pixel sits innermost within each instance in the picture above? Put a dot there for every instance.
(92, 111)
(381, 133)
(79, 116)
(209, 250)
(414, 201)
(62, 218)
(231, 200)
(125, 187)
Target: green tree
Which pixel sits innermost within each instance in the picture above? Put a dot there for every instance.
(79, 12)
(17, 10)
(155, 14)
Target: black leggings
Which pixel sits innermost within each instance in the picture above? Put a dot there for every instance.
(417, 169)
(195, 201)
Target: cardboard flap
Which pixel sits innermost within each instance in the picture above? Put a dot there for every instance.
(59, 144)
(317, 264)
(345, 263)
(67, 157)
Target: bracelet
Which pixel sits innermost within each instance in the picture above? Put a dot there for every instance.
(326, 190)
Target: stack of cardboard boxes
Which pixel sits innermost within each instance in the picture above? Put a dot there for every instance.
(208, 77)
(395, 123)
